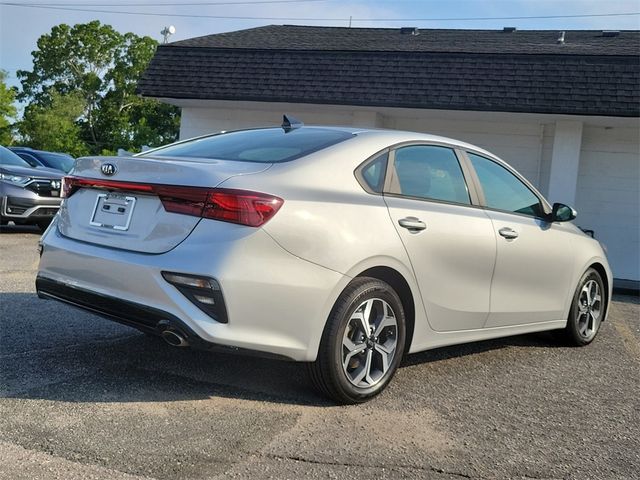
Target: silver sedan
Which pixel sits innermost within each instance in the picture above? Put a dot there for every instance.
(344, 248)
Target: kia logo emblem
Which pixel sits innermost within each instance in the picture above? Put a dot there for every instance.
(108, 169)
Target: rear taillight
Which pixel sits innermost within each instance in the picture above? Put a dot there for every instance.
(228, 205)
(65, 190)
(185, 200)
(238, 206)
(72, 184)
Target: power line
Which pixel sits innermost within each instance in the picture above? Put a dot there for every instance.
(241, 17)
(156, 4)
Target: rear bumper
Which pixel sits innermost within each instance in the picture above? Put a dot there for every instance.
(277, 303)
(144, 318)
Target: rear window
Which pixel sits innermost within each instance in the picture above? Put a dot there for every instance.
(267, 145)
(58, 160)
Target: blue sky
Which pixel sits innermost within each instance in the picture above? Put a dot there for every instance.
(20, 27)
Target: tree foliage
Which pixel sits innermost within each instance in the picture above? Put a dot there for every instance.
(55, 126)
(7, 109)
(100, 67)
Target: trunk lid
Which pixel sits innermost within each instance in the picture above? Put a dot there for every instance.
(132, 220)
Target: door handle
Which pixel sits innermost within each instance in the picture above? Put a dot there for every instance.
(412, 224)
(508, 233)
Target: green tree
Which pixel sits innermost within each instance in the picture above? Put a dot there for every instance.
(129, 120)
(7, 109)
(55, 126)
(101, 66)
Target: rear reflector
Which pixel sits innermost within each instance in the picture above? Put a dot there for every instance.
(236, 206)
(203, 292)
(191, 280)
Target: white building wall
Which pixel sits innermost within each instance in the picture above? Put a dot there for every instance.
(200, 121)
(607, 193)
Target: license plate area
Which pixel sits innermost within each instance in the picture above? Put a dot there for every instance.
(113, 211)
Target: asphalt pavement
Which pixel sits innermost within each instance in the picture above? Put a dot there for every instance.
(84, 398)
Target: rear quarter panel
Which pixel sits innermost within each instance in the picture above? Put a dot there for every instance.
(328, 219)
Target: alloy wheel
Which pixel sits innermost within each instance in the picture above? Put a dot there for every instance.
(369, 343)
(589, 309)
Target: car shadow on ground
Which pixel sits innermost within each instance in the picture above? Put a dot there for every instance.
(71, 356)
(12, 228)
(626, 298)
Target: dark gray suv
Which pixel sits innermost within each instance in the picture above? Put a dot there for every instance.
(27, 195)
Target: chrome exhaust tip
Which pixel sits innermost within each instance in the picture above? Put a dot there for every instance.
(174, 338)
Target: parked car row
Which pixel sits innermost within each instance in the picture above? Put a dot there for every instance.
(40, 158)
(29, 195)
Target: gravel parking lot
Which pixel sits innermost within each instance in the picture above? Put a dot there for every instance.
(83, 398)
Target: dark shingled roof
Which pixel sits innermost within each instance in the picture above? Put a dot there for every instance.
(521, 71)
(295, 37)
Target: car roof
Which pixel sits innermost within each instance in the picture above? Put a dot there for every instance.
(34, 150)
(399, 136)
(391, 137)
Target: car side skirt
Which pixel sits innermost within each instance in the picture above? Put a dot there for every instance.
(457, 337)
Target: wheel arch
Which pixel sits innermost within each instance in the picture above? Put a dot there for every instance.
(600, 268)
(397, 281)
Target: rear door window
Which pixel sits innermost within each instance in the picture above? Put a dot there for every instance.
(430, 172)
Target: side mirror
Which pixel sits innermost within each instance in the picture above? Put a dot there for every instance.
(562, 213)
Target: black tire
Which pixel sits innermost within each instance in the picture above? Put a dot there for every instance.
(584, 320)
(327, 373)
